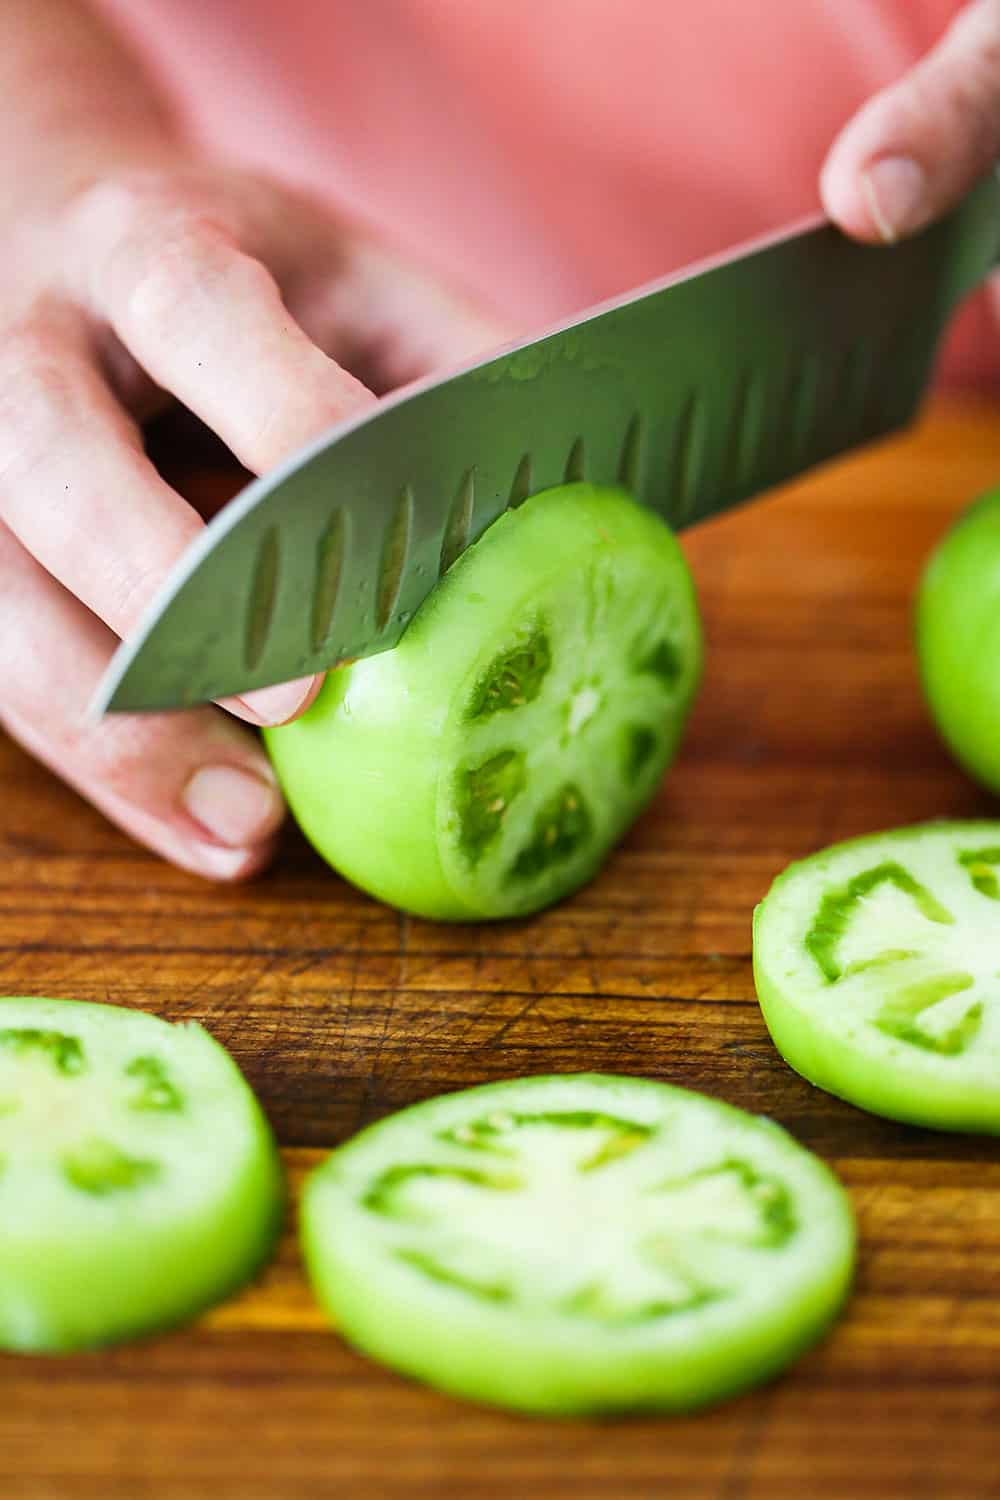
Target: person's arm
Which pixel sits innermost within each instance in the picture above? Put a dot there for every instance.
(132, 271)
(916, 147)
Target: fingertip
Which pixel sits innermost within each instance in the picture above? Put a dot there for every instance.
(238, 806)
(212, 861)
(880, 201)
(224, 826)
(229, 866)
(914, 149)
(184, 847)
(845, 202)
(312, 693)
(270, 707)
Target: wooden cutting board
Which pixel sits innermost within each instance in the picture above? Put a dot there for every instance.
(810, 728)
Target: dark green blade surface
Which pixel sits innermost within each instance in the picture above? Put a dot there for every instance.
(697, 393)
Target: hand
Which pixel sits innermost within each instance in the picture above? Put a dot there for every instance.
(230, 294)
(915, 148)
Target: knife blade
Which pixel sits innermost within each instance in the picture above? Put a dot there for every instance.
(696, 392)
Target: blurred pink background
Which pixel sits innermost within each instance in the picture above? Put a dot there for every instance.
(547, 153)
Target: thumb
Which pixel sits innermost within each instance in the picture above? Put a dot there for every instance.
(915, 148)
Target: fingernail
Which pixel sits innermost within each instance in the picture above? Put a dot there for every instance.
(236, 807)
(216, 863)
(895, 191)
(276, 705)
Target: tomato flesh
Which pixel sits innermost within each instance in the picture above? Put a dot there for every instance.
(579, 1243)
(876, 966)
(139, 1181)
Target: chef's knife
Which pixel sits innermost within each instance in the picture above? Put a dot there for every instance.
(696, 392)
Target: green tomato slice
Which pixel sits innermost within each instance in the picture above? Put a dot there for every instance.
(485, 766)
(578, 1243)
(877, 965)
(139, 1181)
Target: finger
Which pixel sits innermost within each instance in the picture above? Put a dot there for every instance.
(75, 485)
(915, 148)
(207, 322)
(374, 308)
(275, 705)
(195, 787)
(129, 384)
(79, 493)
(391, 321)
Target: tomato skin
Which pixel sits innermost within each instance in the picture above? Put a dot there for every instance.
(958, 639)
(841, 1031)
(86, 1259)
(369, 771)
(532, 1352)
(343, 763)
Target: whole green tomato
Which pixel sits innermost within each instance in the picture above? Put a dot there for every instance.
(958, 638)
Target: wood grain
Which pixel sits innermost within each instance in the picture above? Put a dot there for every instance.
(810, 728)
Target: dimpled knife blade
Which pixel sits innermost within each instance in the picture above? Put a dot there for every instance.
(696, 393)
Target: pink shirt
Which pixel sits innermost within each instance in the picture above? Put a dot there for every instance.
(547, 153)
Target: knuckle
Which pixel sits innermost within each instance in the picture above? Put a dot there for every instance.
(124, 758)
(38, 397)
(159, 278)
(119, 203)
(31, 357)
(159, 286)
(127, 588)
(116, 757)
(975, 101)
(173, 285)
(165, 252)
(136, 207)
(952, 99)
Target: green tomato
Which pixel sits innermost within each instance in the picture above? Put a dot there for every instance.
(577, 1244)
(876, 967)
(485, 766)
(958, 638)
(139, 1181)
